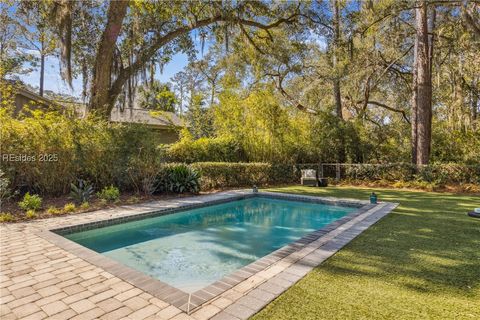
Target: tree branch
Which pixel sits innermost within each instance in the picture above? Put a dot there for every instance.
(148, 52)
(470, 21)
(279, 85)
(382, 105)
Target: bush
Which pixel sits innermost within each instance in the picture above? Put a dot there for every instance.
(31, 214)
(225, 174)
(6, 217)
(449, 173)
(82, 192)
(376, 172)
(30, 202)
(205, 149)
(63, 147)
(53, 210)
(5, 191)
(85, 205)
(133, 199)
(144, 169)
(69, 207)
(110, 193)
(178, 178)
(434, 174)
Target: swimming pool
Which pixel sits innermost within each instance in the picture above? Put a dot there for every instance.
(193, 248)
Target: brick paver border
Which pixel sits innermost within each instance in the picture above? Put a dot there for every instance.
(249, 288)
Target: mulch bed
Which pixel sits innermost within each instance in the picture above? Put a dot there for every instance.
(59, 202)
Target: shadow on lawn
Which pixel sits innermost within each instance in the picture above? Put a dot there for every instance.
(427, 244)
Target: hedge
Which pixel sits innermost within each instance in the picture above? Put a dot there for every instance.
(57, 150)
(216, 175)
(445, 173)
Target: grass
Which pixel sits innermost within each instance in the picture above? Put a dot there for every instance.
(422, 261)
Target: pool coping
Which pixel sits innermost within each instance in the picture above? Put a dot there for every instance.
(192, 302)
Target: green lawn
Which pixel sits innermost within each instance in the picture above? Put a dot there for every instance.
(422, 261)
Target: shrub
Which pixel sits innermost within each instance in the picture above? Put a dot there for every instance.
(449, 173)
(30, 214)
(82, 192)
(69, 207)
(6, 217)
(96, 150)
(375, 172)
(144, 169)
(30, 202)
(178, 178)
(225, 174)
(110, 193)
(434, 174)
(85, 205)
(205, 149)
(53, 210)
(133, 199)
(5, 191)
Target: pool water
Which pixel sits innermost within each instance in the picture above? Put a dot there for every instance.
(192, 249)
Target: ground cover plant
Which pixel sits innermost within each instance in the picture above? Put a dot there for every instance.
(419, 262)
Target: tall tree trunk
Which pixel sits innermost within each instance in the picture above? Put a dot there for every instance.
(212, 94)
(337, 93)
(180, 105)
(152, 73)
(101, 100)
(42, 73)
(414, 109)
(424, 85)
(475, 104)
(336, 42)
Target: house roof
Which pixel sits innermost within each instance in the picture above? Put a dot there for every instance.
(160, 119)
(34, 96)
(154, 118)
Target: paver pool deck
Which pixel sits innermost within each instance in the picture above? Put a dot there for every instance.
(42, 278)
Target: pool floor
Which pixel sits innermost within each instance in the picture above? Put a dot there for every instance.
(192, 249)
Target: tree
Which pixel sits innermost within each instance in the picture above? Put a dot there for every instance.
(335, 48)
(422, 87)
(36, 33)
(179, 20)
(211, 70)
(180, 82)
(157, 96)
(102, 97)
(12, 59)
(200, 119)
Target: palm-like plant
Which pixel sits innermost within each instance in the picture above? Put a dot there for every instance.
(82, 192)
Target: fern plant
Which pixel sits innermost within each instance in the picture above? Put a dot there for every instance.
(82, 192)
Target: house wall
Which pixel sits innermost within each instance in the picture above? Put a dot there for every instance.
(21, 100)
(167, 136)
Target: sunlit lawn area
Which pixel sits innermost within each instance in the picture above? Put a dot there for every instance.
(422, 261)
